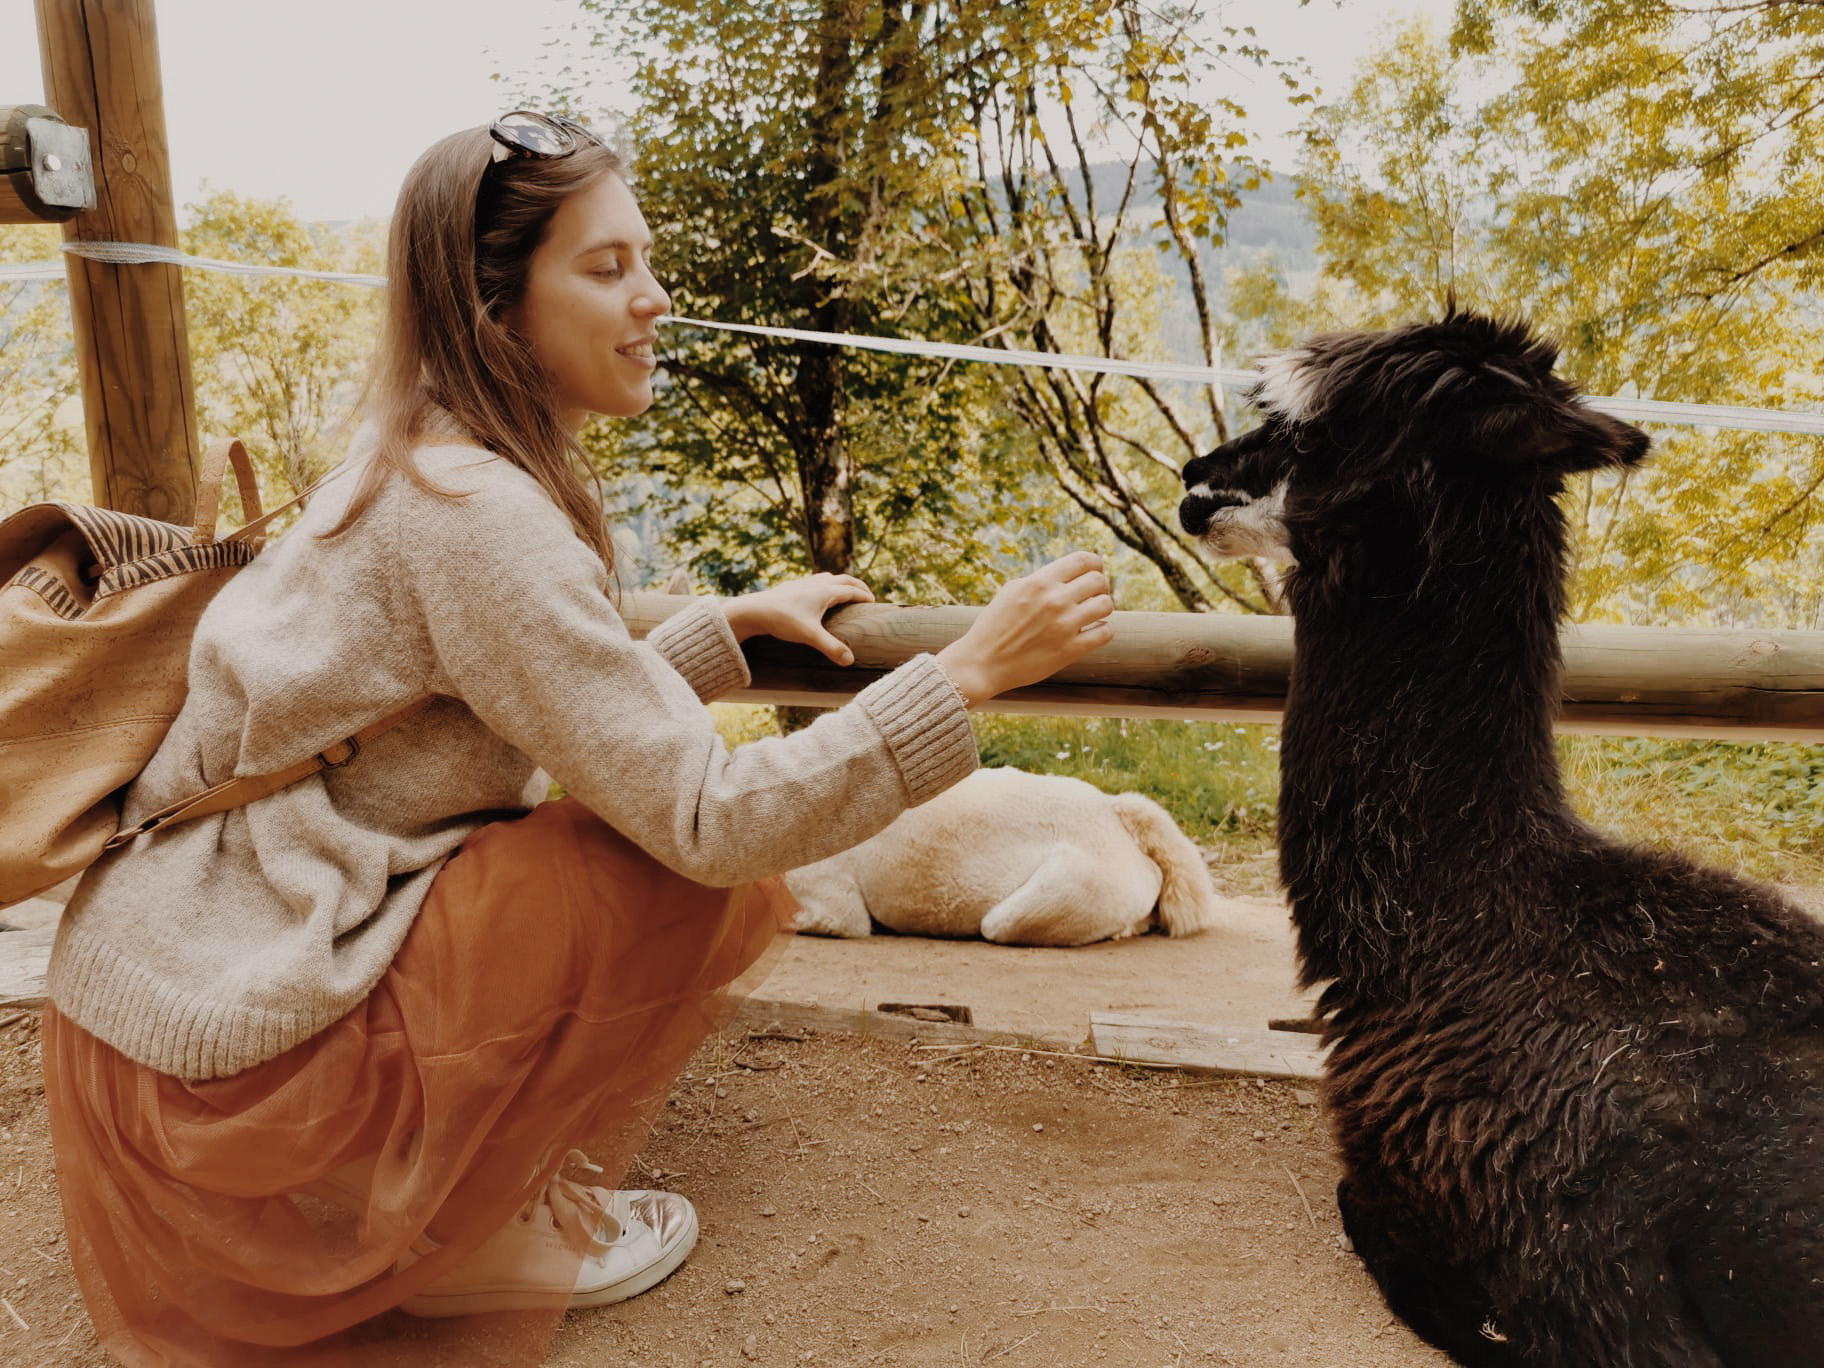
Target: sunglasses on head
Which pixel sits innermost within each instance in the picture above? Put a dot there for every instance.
(543, 137)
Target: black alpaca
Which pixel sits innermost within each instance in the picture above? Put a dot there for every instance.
(1577, 1087)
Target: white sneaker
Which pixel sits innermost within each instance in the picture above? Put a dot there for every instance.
(635, 1240)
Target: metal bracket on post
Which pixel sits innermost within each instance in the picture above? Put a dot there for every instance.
(46, 163)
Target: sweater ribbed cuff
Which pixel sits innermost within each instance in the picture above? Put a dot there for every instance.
(925, 722)
(699, 644)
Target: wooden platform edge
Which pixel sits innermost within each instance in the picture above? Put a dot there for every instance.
(25, 956)
(1195, 1046)
(1205, 1047)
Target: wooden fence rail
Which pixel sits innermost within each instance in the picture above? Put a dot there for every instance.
(1655, 681)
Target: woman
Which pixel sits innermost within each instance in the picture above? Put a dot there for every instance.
(327, 1056)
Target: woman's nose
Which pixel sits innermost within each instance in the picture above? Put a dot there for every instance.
(652, 297)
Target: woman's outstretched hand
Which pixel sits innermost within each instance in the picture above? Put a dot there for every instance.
(794, 611)
(1032, 628)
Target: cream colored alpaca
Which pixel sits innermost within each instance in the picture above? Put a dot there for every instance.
(1023, 859)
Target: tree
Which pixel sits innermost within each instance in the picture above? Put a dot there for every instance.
(765, 138)
(1730, 93)
(278, 361)
(1097, 170)
(895, 167)
(1505, 175)
(42, 442)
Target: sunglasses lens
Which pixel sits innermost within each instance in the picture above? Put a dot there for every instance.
(533, 134)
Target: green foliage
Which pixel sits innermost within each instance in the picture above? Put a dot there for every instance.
(1217, 779)
(278, 361)
(739, 723)
(43, 448)
(937, 170)
(784, 145)
(1757, 808)
(275, 361)
(1051, 252)
(1607, 182)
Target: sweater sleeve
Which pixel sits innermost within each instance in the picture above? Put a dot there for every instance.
(699, 644)
(520, 628)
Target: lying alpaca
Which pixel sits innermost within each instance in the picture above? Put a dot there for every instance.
(1577, 1087)
(1023, 859)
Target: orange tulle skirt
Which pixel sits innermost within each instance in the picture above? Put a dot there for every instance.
(549, 993)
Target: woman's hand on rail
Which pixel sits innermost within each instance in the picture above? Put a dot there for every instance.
(1032, 628)
(794, 611)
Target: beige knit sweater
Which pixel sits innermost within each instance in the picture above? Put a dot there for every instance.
(210, 947)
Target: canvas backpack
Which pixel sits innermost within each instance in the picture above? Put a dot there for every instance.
(97, 610)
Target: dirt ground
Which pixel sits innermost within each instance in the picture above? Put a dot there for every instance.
(867, 1200)
(872, 1199)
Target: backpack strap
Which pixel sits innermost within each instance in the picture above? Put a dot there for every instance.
(225, 452)
(221, 452)
(238, 792)
(250, 531)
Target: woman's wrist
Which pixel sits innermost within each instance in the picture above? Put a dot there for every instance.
(743, 621)
(970, 679)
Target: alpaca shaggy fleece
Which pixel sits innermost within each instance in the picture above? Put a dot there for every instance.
(1018, 858)
(1577, 1086)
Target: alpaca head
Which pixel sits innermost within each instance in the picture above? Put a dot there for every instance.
(1364, 427)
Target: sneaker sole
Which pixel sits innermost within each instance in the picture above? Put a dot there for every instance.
(646, 1279)
(437, 1306)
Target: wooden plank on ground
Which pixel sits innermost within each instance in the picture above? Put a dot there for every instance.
(1201, 1045)
(760, 1013)
(24, 958)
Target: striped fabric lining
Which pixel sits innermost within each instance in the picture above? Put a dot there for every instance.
(133, 551)
(117, 538)
(179, 561)
(49, 588)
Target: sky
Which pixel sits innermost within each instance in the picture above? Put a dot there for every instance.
(328, 104)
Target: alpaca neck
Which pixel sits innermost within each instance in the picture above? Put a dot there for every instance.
(1418, 766)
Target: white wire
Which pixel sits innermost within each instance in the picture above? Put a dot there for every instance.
(140, 253)
(32, 270)
(1005, 356)
(1646, 410)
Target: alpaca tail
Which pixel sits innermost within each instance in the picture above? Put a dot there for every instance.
(1187, 899)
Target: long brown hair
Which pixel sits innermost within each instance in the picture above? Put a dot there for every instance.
(457, 255)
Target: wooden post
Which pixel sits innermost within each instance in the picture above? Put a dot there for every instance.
(1718, 684)
(101, 72)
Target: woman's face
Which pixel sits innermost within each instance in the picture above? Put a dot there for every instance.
(591, 304)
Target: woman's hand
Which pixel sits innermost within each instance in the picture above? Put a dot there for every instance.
(1033, 627)
(794, 611)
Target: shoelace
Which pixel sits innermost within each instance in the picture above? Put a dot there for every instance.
(574, 1207)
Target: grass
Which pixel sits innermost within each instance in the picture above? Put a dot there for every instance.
(1755, 808)
(1218, 780)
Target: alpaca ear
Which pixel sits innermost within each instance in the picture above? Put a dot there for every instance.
(1565, 436)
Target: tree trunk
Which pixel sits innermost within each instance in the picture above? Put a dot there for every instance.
(825, 478)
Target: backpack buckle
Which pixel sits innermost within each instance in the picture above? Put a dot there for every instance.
(338, 755)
